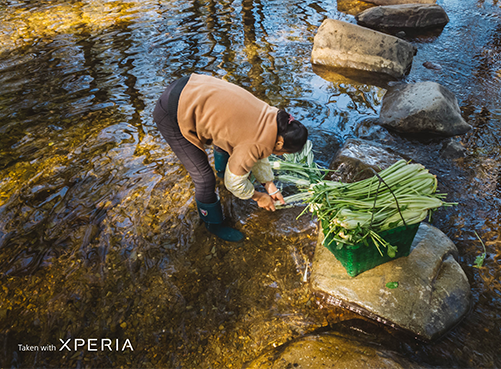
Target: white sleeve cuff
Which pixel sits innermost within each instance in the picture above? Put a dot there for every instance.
(240, 186)
(262, 171)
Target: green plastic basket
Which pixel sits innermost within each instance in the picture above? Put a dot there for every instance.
(360, 258)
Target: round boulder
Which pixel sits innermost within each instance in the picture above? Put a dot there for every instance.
(425, 107)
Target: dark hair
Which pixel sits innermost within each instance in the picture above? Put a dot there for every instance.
(293, 132)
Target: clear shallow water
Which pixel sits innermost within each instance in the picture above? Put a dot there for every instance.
(99, 236)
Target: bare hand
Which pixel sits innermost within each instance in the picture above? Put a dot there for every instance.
(277, 196)
(264, 201)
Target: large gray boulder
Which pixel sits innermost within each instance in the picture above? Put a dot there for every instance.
(432, 296)
(433, 293)
(425, 107)
(344, 45)
(406, 16)
(330, 351)
(394, 2)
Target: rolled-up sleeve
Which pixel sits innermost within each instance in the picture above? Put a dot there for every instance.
(262, 171)
(239, 186)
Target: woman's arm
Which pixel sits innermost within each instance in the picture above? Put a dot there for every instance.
(264, 174)
(238, 185)
(241, 187)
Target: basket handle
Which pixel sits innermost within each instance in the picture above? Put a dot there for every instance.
(381, 180)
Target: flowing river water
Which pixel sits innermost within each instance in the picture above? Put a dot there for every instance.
(99, 234)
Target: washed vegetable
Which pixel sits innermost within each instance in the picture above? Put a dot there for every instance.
(351, 213)
(299, 168)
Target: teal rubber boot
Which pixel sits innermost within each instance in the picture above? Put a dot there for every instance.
(220, 161)
(212, 215)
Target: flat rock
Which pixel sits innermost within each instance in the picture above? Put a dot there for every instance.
(432, 296)
(344, 45)
(424, 108)
(330, 351)
(406, 16)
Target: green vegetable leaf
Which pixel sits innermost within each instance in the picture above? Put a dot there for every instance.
(392, 285)
(479, 260)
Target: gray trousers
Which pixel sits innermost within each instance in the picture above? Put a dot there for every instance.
(194, 160)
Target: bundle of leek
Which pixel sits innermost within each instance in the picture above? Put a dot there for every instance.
(351, 213)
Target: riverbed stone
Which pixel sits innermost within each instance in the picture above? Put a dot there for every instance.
(433, 292)
(452, 150)
(405, 16)
(358, 159)
(369, 129)
(432, 65)
(423, 108)
(330, 351)
(344, 45)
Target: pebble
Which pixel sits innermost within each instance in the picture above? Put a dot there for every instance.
(431, 65)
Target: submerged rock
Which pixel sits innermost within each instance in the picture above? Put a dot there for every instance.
(425, 107)
(330, 351)
(431, 65)
(344, 45)
(452, 150)
(369, 129)
(406, 16)
(432, 293)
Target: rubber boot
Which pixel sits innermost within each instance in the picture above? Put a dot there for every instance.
(220, 161)
(212, 215)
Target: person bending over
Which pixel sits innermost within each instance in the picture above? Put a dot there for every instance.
(198, 110)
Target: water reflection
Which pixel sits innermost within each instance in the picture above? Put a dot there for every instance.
(99, 234)
(353, 7)
(37, 24)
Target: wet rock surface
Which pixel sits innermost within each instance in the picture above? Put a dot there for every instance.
(344, 45)
(369, 129)
(358, 159)
(423, 108)
(330, 351)
(452, 150)
(431, 65)
(405, 16)
(432, 296)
